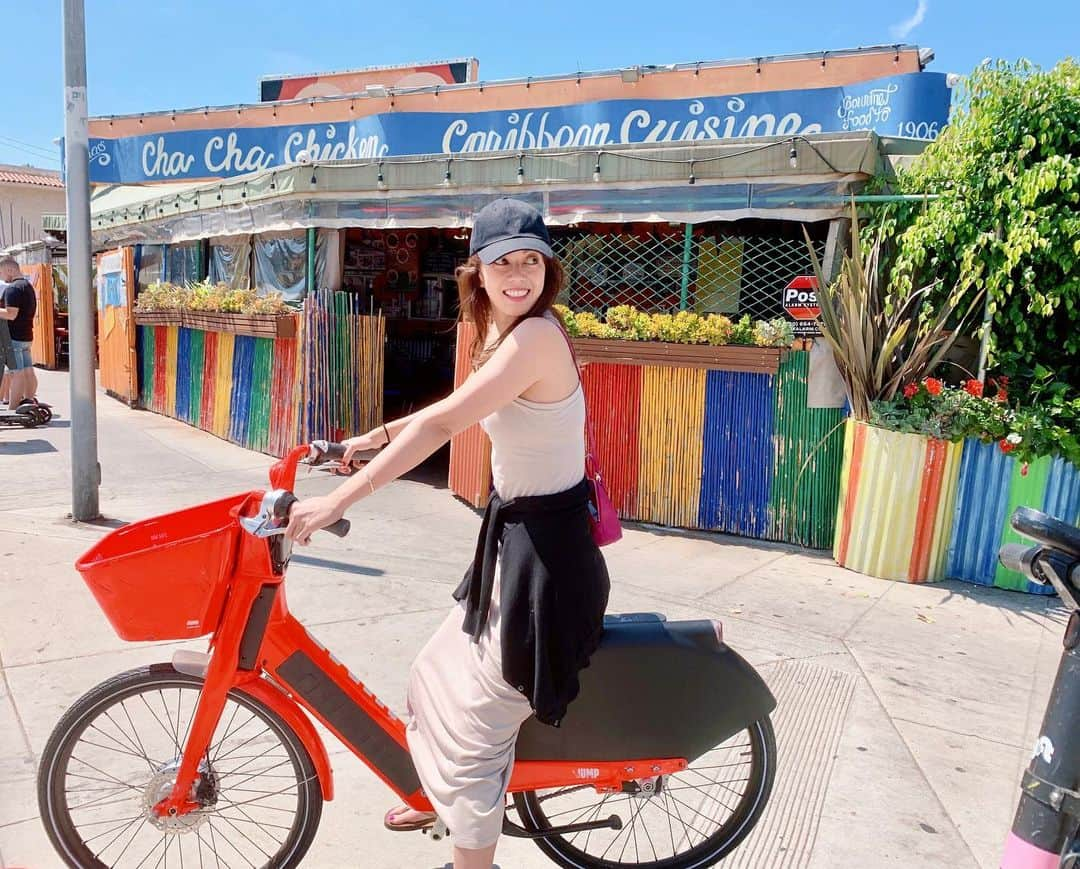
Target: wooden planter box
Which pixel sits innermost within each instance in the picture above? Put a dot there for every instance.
(760, 360)
(256, 325)
(158, 318)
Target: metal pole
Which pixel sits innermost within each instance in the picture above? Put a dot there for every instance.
(85, 471)
(684, 284)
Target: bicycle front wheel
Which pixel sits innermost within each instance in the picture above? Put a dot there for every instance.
(115, 754)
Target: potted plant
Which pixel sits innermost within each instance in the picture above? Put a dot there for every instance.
(897, 488)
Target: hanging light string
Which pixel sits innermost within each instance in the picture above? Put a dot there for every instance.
(691, 164)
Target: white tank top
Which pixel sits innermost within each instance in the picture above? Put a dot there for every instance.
(537, 448)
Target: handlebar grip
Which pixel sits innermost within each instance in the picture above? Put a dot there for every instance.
(335, 452)
(1017, 556)
(339, 528)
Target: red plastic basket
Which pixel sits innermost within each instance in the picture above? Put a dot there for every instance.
(165, 578)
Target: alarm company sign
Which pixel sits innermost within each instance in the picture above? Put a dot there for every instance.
(801, 304)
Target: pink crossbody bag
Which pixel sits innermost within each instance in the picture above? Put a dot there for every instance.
(603, 518)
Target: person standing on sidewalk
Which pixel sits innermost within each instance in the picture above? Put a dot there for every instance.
(530, 609)
(18, 306)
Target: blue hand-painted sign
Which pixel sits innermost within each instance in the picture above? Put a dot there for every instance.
(914, 105)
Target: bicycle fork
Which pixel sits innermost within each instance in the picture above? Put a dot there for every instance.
(221, 676)
(1044, 830)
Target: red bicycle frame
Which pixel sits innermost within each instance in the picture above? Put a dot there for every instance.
(257, 637)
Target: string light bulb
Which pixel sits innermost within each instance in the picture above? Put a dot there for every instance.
(521, 169)
(692, 179)
(446, 175)
(380, 181)
(793, 156)
(596, 168)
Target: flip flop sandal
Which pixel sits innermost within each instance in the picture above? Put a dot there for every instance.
(410, 826)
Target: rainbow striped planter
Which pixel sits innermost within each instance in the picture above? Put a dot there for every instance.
(897, 498)
(992, 485)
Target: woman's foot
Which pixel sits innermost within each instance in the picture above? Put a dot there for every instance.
(402, 819)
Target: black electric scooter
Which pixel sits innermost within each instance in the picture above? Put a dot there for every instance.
(1046, 829)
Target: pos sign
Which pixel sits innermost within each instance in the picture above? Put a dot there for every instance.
(801, 304)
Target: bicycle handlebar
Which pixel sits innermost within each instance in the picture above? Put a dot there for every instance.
(284, 504)
(329, 451)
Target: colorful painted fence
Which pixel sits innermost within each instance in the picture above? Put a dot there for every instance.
(715, 450)
(897, 495)
(992, 485)
(237, 387)
(723, 451)
(342, 361)
(268, 394)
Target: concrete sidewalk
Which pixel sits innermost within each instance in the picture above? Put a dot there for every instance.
(906, 712)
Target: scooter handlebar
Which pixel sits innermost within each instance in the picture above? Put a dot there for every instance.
(285, 503)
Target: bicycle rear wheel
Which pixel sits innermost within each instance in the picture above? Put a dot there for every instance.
(686, 820)
(115, 753)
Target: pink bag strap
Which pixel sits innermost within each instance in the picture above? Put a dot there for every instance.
(590, 449)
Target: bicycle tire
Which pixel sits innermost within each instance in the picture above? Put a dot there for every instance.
(710, 850)
(94, 706)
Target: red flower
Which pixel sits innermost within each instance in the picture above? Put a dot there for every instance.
(1003, 381)
(1005, 446)
(973, 387)
(910, 390)
(1024, 469)
(1002, 395)
(933, 385)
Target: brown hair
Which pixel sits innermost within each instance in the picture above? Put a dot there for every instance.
(476, 307)
(9, 261)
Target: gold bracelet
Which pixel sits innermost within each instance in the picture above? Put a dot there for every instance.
(371, 484)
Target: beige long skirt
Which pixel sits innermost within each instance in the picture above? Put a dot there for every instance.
(463, 723)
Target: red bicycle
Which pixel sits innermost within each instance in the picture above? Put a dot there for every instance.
(666, 758)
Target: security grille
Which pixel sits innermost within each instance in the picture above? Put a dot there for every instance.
(713, 269)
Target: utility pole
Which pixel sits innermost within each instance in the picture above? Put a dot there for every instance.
(85, 471)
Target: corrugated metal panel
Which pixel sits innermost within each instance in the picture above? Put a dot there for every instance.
(937, 494)
(737, 464)
(183, 375)
(941, 526)
(161, 349)
(613, 395)
(1027, 489)
(470, 451)
(882, 524)
(1062, 496)
(671, 429)
(197, 375)
(809, 455)
(979, 514)
(240, 400)
(209, 393)
(223, 385)
(172, 337)
(854, 445)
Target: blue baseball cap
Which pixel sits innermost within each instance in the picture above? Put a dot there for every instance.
(507, 225)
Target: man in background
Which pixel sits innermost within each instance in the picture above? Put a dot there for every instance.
(18, 306)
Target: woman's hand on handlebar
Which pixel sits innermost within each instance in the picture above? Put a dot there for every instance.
(373, 440)
(310, 515)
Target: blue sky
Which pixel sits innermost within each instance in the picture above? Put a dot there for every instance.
(147, 55)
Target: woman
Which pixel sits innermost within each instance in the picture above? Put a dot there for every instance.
(530, 608)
